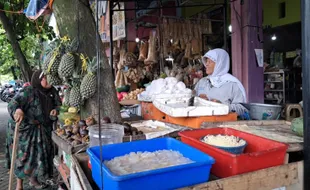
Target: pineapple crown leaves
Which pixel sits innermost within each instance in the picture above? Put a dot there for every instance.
(84, 60)
(72, 46)
(89, 65)
(92, 66)
(65, 39)
(52, 46)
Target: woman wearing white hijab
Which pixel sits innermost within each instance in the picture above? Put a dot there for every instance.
(219, 85)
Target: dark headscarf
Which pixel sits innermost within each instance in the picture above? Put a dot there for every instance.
(45, 95)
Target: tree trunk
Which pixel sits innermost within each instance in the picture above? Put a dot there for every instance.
(24, 66)
(75, 19)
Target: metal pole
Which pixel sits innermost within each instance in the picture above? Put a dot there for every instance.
(160, 38)
(225, 24)
(305, 25)
(98, 52)
(111, 36)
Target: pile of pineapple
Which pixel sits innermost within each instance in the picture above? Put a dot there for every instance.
(63, 66)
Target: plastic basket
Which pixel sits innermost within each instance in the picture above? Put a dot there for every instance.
(259, 153)
(165, 178)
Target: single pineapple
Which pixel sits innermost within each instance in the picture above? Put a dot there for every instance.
(67, 97)
(53, 68)
(66, 66)
(75, 97)
(46, 62)
(53, 80)
(53, 56)
(88, 84)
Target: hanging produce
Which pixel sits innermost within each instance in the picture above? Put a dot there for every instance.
(67, 97)
(166, 38)
(75, 96)
(52, 61)
(181, 36)
(135, 74)
(53, 80)
(67, 63)
(88, 84)
(120, 79)
(130, 59)
(151, 59)
(143, 51)
(122, 59)
(195, 40)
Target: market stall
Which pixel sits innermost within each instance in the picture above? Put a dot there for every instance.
(180, 136)
(285, 174)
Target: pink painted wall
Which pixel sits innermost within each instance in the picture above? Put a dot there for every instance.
(244, 41)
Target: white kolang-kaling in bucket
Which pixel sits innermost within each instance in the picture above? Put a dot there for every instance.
(223, 140)
(144, 161)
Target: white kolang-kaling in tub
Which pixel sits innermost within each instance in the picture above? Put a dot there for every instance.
(223, 140)
(143, 161)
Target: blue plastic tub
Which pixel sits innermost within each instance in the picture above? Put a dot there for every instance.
(165, 178)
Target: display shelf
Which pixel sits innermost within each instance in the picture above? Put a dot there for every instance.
(273, 81)
(274, 90)
(274, 85)
(272, 99)
(278, 72)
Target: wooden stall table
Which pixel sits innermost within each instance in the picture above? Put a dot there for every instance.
(289, 176)
(278, 130)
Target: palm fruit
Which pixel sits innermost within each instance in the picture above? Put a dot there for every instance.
(67, 97)
(75, 96)
(88, 84)
(53, 80)
(66, 66)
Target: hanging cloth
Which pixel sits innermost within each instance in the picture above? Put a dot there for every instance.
(36, 8)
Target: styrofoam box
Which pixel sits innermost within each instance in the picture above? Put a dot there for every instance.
(178, 107)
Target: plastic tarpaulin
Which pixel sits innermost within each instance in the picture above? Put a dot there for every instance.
(36, 8)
